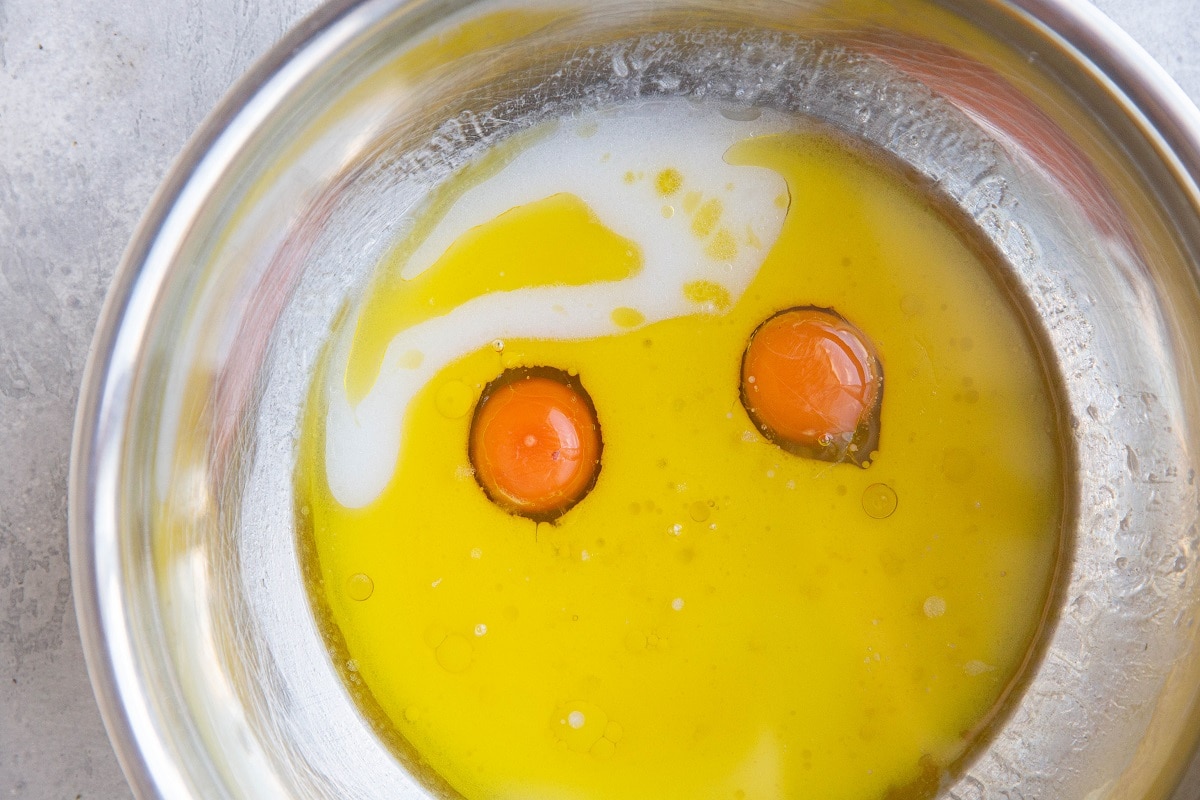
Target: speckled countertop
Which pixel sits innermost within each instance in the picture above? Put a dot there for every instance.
(96, 98)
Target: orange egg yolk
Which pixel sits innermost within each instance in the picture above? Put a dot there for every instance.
(535, 442)
(812, 383)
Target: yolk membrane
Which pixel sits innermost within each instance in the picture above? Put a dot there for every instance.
(534, 443)
(812, 383)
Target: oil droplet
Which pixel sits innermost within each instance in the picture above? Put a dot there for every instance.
(708, 293)
(976, 667)
(668, 212)
(625, 317)
(879, 501)
(360, 586)
(603, 749)
(698, 511)
(434, 636)
(934, 606)
(613, 732)
(668, 182)
(454, 399)
(706, 218)
(723, 246)
(454, 653)
(957, 465)
(911, 305)
(579, 725)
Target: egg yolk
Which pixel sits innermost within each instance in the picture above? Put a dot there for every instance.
(812, 384)
(535, 442)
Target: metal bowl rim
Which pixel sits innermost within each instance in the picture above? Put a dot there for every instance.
(1163, 113)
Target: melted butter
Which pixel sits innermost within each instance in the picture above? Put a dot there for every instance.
(718, 618)
(555, 241)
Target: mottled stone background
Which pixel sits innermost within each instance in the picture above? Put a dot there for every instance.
(96, 98)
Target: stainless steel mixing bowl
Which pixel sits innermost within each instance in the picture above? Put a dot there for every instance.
(1052, 131)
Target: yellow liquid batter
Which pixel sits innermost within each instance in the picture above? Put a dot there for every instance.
(717, 618)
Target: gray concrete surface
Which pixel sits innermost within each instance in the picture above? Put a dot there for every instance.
(96, 98)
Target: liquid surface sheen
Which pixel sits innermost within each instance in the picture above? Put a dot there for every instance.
(717, 618)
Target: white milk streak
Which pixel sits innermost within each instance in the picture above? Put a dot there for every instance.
(363, 442)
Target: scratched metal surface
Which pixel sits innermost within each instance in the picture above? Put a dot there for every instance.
(96, 99)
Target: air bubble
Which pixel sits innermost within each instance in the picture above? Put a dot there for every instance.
(879, 501)
(360, 587)
(934, 606)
